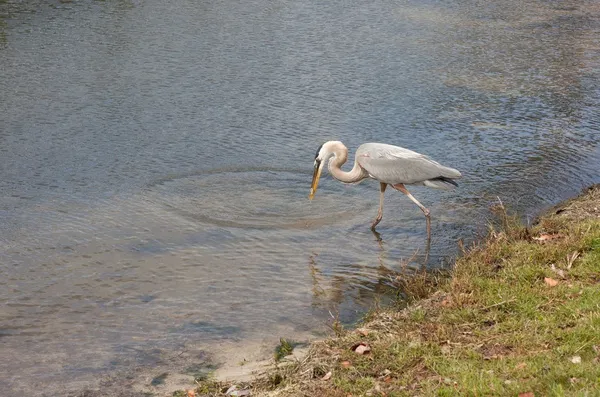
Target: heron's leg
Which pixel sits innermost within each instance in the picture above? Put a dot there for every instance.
(401, 188)
(382, 187)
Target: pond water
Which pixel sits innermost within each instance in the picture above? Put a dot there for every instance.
(156, 158)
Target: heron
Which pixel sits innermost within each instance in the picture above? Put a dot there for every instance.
(388, 164)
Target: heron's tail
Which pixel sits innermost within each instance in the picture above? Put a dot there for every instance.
(440, 183)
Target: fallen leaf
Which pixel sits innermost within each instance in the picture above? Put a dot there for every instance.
(385, 372)
(234, 392)
(346, 364)
(576, 360)
(362, 331)
(527, 394)
(547, 237)
(191, 393)
(241, 393)
(446, 349)
(520, 365)
(493, 357)
(550, 281)
(361, 348)
(327, 376)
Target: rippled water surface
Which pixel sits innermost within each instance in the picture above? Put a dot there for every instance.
(156, 157)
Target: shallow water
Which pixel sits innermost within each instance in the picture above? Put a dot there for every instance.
(156, 157)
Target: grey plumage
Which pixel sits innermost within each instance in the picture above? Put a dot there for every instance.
(390, 165)
(394, 164)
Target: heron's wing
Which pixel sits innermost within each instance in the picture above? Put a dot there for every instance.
(393, 164)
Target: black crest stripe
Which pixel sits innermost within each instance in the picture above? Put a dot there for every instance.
(318, 150)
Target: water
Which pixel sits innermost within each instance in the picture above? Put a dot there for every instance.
(156, 157)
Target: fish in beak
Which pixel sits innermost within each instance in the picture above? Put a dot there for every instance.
(315, 179)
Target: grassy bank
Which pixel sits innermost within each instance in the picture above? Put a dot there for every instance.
(519, 314)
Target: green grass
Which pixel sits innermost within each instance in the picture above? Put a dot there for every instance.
(285, 348)
(495, 327)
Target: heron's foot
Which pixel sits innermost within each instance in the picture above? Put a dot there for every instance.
(378, 237)
(428, 222)
(376, 221)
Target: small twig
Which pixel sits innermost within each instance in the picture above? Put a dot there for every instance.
(498, 304)
(489, 339)
(504, 215)
(177, 355)
(551, 300)
(405, 262)
(500, 201)
(582, 346)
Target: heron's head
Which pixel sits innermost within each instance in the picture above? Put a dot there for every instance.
(317, 172)
(324, 152)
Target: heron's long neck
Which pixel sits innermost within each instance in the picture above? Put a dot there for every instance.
(354, 175)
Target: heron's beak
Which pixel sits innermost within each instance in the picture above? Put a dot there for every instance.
(315, 179)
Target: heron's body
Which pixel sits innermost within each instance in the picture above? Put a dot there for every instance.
(393, 164)
(390, 165)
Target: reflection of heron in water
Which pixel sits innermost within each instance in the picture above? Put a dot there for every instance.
(390, 165)
(353, 283)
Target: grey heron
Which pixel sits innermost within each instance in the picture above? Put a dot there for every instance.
(388, 164)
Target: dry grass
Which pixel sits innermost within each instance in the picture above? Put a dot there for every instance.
(585, 206)
(520, 313)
